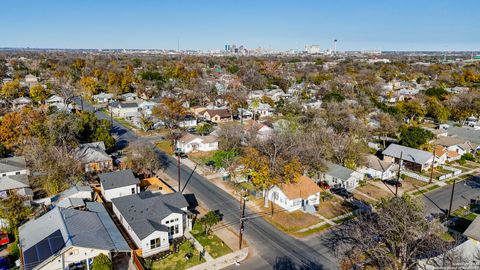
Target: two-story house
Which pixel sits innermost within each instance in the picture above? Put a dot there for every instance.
(118, 184)
(153, 219)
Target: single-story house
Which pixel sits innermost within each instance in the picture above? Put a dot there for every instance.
(296, 195)
(339, 176)
(263, 109)
(187, 122)
(457, 144)
(31, 79)
(127, 110)
(380, 169)
(93, 157)
(216, 115)
(14, 177)
(467, 252)
(129, 97)
(119, 183)
(103, 98)
(21, 102)
(146, 107)
(66, 238)
(413, 159)
(193, 143)
(258, 130)
(152, 219)
(442, 154)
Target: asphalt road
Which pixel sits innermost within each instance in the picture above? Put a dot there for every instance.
(439, 199)
(274, 249)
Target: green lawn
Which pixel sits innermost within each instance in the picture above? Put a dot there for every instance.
(165, 146)
(212, 244)
(425, 190)
(178, 260)
(313, 231)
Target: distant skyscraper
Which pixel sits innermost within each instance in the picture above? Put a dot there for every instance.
(312, 49)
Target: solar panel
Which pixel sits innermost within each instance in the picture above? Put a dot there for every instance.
(43, 250)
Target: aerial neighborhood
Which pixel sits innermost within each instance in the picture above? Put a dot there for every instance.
(123, 160)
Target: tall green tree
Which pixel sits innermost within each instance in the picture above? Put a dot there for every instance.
(102, 262)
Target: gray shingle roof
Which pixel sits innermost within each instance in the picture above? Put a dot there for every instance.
(14, 181)
(408, 153)
(12, 164)
(145, 211)
(338, 171)
(92, 152)
(118, 179)
(473, 231)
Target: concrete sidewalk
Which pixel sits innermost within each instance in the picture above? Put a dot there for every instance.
(224, 261)
(198, 246)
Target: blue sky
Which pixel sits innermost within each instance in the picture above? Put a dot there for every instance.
(209, 24)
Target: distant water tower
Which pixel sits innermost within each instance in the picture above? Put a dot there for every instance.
(335, 45)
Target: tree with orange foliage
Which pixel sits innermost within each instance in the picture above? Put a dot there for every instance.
(170, 111)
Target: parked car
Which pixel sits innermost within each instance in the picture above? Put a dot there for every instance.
(4, 263)
(342, 192)
(4, 240)
(394, 183)
(181, 154)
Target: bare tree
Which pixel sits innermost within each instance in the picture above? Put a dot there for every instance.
(142, 158)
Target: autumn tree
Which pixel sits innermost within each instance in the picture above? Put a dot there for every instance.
(102, 262)
(170, 111)
(10, 90)
(143, 159)
(412, 109)
(395, 236)
(38, 93)
(14, 211)
(89, 85)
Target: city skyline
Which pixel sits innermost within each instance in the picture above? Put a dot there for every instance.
(279, 25)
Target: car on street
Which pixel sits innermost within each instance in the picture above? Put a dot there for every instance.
(181, 154)
(394, 183)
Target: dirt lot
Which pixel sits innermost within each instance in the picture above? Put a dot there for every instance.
(376, 191)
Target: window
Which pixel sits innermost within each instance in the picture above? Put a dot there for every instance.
(172, 230)
(168, 221)
(17, 173)
(176, 229)
(133, 190)
(155, 243)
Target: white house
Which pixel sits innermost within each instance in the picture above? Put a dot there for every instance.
(31, 79)
(127, 110)
(339, 176)
(102, 98)
(147, 107)
(377, 168)
(258, 130)
(21, 102)
(73, 197)
(188, 122)
(129, 96)
(119, 183)
(14, 177)
(58, 102)
(65, 238)
(299, 195)
(193, 143)
(152, 219)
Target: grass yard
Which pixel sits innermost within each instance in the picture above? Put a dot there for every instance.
(178, 260)
(212, 244)
(418, 192)
(165, 146)
(201, 157)
(313, 231)
(363, 198)
(333, 207)
(376, 192)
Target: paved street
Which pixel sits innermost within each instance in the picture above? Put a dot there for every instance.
(440, 198)
(275, 249)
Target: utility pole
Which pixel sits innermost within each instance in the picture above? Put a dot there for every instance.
(242, 215)
(433, 163)
(398, 176)
(111, 117)
(81, 102)
(451, 199)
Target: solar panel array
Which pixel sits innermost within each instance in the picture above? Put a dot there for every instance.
(43, 250)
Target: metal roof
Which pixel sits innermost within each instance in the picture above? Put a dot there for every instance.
(12, 164)
(408, 153)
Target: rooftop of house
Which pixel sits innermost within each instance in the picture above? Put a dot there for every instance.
(302, 188)
(223, 113)
(92, 152)
(187, 138)
(377, 164)
(59, 228)
(9, 182)
(473, 231)
(338, 171)
(118, 179)
(145, 211)
(12, 164)
(407, 153)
